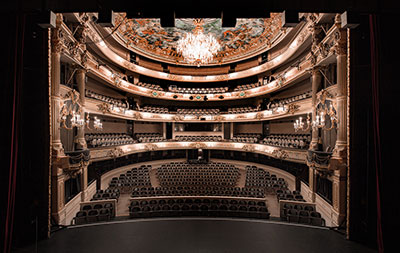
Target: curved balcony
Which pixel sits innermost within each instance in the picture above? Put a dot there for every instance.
(288, 154)
(74, 52)
(296, 108)
(292, 48)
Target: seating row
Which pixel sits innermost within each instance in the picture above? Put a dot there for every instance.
(246, 109)
(149, 137)
(150, 86)
(197, 111)
(212, 90)
(198, 190)
(300, 141)
(299, 213)
(283, 101)
(198, 207)
(153, 109)
(247, 86)
(108, 139)
(114, 101)
(197, 138)
(246, 137)
(89, 213)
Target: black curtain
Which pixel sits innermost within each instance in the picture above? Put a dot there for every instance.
(25, 131)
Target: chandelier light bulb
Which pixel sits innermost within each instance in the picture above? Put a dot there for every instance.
(197, 47)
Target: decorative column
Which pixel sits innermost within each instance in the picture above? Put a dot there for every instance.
(340, 151)
(80, 136)
(59, 160)
(56, 101)
(315, 86)
(338, 162)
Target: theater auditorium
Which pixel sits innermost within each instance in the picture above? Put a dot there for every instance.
(198, 127)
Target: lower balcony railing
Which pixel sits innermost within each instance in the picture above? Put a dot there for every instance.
(288, 154)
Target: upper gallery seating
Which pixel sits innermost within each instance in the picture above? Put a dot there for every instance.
(198, 112)
(212, 90)
(197, 138)
(114, 101)
(108, 139)
(246, 137)
(247, 86)
(246, 109)
(149, 137)
(153, 109)
(198, 206)
(300, 141)
(150, 86)
(283, 101)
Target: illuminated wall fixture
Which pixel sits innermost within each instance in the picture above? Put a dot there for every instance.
(196, 47)
(70, 113)
(326, 115)
(97, 125)
(300, 125)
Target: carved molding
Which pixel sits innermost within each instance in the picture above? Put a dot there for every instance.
(198, 145)
(151, 147)
(280, 154)
(248, 148)
(104, 108)
(116, 152)
(292, 108)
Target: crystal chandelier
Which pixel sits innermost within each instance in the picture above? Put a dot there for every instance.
(197, 47)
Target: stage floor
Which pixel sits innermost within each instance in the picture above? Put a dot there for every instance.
(196, 235)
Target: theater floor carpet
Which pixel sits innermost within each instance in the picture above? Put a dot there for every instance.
(196, 235)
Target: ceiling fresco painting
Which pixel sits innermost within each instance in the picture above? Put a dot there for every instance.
(248, 38)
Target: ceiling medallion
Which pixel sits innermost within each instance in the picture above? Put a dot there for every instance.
(198, 48)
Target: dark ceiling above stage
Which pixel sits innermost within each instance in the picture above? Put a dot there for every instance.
(203, 8)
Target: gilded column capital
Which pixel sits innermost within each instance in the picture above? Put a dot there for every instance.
(56, 40)
(340, 42)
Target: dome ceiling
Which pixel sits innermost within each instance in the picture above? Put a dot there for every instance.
(249, 38)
